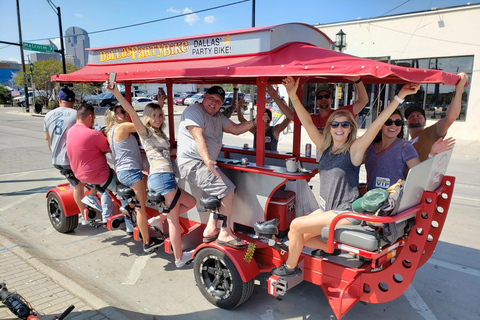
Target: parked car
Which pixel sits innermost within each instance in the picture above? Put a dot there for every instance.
(106, 99)
(196, 98)
(139, 93)
(180, 100)
(140, 103)
(39, 95)
(228, 102)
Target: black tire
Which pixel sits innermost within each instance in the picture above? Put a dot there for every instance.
(219, 281)
(56, 213)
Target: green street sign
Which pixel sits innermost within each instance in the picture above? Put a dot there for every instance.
(37, 47)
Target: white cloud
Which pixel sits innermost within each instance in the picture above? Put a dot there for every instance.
(209, 19)
(173, 10)
(78, 15)
(191, 19)
(14, 60)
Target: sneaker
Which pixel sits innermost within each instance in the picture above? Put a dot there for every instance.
(186, 257)
(153, 244)
(91, 202)
(156, 224)
(284, 272)
(82, 220)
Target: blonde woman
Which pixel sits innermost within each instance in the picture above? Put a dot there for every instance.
(339, 166)
(161, 178)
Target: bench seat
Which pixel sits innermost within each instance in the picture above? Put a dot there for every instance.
(355, 236)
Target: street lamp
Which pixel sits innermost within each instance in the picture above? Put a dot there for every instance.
(340, 40)
(33, 87)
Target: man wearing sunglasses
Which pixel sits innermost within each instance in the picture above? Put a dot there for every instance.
(423, 138)
(324, 102)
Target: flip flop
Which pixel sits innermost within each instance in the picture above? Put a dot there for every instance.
(211, 238)
(231, 244)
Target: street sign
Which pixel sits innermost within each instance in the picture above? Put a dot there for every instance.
(37, 47)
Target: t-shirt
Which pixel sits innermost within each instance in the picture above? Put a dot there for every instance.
(86, 150)
(271, 142)
(390, 166)
(338, 181)
(126, 152)
(157, 149)
(321, 122)
(424, 140)
(195, 115)
(57, 123)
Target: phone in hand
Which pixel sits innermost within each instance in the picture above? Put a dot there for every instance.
(162, 92)
(111, 79)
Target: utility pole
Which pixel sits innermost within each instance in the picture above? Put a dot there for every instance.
(62, 45)
(27, 109)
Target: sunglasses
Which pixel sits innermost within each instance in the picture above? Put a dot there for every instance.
(344, 124)
(121, 111)
(397, 122)
(321, 96)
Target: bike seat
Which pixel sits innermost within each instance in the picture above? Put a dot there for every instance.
(267, 227)
(210, 203)
(125, 192)
(155, 197)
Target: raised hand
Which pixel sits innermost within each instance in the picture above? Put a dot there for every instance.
(442, 145)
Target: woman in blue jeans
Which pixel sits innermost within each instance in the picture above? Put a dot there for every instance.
(161, 177)
(129, 167)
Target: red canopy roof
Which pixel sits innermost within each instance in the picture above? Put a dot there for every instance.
(292, 59)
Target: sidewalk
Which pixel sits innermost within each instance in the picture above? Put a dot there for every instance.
(46, 289)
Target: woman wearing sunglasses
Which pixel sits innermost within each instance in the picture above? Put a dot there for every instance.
(339, 167)
(161, 178)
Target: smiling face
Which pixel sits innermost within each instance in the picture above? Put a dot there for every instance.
(340, 133)
(156, 120)
(121, 115)
(392, 131)
(212, 103)
(322, 101)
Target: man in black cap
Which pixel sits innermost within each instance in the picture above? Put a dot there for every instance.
(199, 144)
(423, 138)
(56, 125)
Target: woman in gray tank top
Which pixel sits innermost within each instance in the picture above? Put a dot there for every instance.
(128, 168)
(342, 155)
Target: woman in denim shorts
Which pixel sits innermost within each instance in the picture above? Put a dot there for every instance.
(161, 177)
(129, 166)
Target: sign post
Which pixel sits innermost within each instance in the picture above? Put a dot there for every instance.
(37, 47)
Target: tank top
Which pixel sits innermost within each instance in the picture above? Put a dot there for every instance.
(126, 152)
(338, 181)
(271, 142)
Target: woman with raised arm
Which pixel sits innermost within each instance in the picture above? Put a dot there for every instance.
(339, 167)
(161, 177)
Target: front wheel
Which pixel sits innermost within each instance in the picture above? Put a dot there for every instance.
(219, 281)
(56, 213)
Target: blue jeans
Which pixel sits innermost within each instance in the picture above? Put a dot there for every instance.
(162, 183)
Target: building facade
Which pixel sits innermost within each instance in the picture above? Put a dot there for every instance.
(445, 39)
(76, 41)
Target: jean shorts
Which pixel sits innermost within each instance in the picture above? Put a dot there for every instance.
(162, 183)
(129, 177)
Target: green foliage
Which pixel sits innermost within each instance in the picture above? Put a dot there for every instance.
(5, 96)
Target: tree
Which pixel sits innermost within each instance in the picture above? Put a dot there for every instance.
(5, 96)
(43, 70)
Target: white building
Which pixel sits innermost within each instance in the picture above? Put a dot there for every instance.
(446, 39)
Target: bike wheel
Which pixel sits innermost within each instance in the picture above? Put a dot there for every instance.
(219, 281)
(56, 213)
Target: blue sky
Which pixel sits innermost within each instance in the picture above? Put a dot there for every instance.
(39, 21)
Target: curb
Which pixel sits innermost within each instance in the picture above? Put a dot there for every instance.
(74, 288)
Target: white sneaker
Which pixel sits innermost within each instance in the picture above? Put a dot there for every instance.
(156, 224)
(186, 257)
(91, 202)
(82, 220)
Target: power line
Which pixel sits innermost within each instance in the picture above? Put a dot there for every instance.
(395, 8)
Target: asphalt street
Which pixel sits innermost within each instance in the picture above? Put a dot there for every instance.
(110, 274)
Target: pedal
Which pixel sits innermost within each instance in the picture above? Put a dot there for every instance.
(280, 246)
(281, 287)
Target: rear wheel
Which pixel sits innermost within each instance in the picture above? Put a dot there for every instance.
(56, 213)
(219, 281)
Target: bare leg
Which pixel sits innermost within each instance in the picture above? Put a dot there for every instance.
(226, 234)
(78, 194)
(140, 188)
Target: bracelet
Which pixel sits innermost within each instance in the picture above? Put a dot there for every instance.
(400, 100)
(235, 89)
(358, 81)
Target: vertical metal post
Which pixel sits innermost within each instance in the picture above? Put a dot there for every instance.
(64, 66)
(252, 89)
(25, 87)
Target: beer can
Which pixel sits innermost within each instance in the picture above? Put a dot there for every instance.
(244, 161)
(308, 150)
(245, 146)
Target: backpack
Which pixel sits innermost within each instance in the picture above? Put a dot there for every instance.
(390, 232)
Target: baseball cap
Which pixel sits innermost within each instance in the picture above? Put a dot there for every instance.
(323, 89)
(66, 94)
(411, 109)
(371, 200)
(217, 90)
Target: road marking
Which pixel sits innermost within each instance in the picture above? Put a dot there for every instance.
(418, 304)
(14, 203)
(465, 198)
(454, 266)
(136, 270)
